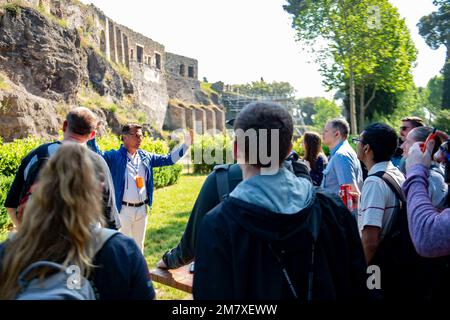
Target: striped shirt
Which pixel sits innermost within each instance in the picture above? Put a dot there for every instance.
(378, 201)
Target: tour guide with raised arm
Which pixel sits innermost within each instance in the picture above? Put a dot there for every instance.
(132, 172)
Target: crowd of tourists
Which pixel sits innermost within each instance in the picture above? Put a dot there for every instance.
(368, 222)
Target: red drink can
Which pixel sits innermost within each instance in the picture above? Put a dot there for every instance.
(345, 195)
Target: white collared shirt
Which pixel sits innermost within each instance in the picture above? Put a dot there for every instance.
(132, 193)
(378, 201)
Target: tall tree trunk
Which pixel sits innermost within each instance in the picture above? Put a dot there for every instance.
(364, 105)
(446, 91)
(353, 127)
(362, 108)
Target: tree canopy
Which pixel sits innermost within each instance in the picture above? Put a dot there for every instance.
(262, 88)
(359, 45)
(435, 29)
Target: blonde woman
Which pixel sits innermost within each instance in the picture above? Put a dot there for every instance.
(58, 226)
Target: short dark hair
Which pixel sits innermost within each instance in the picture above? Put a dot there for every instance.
(415, 121)
(81, 121)
(382, 139)
(129, 126)
(341, 125)
(269, 116)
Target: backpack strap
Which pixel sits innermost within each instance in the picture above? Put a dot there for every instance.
(392, 184)
(223, 187)
(395, 187)
(42, 154)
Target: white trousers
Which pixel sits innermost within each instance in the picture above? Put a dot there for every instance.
(134, 223)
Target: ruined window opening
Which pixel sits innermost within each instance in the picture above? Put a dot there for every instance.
(191, 72)
(158, 61)
(149, 61)
(131, 55)
(139, 53)
(182, 70)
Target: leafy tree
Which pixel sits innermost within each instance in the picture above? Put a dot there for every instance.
(436, 89)
(306, 107)
(435, 29)
(325, 110)
(262, 88)
(442, 121)
(395, 106)
(367, 45)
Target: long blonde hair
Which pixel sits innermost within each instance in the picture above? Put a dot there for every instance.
(58, 219)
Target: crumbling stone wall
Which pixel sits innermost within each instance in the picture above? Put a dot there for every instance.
(220, 119)
(175, 117)
(200, 121)
(179, 66)
(156, 75)
(210, 120)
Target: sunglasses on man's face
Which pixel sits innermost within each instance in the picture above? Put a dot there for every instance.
(357, 139)
(403, 128)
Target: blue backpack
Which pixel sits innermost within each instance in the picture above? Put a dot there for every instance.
(67, 284)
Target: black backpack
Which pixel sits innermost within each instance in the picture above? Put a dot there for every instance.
(404, 274)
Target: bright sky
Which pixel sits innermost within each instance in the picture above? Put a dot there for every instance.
(239, 41)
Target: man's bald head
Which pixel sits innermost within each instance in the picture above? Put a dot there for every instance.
(81, 121)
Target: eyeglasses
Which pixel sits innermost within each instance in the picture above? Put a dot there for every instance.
(135, 135)
(356, 140)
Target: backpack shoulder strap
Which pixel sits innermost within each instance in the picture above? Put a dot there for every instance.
(223, 187)
(41, 154)
(392, 184)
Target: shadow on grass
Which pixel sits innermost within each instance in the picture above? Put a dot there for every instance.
(162, 239)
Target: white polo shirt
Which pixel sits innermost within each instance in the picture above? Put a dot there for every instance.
(378, 201)
(132, 193)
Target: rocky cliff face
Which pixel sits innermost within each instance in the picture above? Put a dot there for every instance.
(105, 80)
(23, 114)
(53, 57)
(46, 67)
(41, 56)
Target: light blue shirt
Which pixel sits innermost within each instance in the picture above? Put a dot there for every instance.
(343, 168)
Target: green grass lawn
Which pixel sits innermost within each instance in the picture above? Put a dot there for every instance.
(171, 208)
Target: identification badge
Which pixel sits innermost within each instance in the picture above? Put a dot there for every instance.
(139, 182)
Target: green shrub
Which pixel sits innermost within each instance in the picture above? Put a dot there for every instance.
(442, 121)
(5, 221)
(13, 9)
(166, 176)
(204, 152)
(298, 147)
(11, 154)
